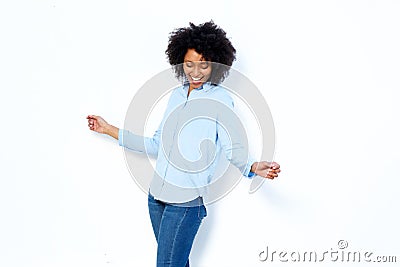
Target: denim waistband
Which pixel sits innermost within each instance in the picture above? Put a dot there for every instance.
(192, 203)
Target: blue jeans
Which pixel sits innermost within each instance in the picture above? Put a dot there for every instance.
(175, 227)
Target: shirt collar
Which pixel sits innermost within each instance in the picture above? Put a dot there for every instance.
(204, 87)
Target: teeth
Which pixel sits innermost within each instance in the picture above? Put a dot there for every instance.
(195, 79)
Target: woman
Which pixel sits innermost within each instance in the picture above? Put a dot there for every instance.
(201, 56)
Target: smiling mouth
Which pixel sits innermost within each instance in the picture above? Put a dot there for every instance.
(195, 79)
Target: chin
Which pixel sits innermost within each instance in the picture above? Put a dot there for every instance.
(196, 85)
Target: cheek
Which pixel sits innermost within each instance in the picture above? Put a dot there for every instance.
(207, 73)
(187, 71)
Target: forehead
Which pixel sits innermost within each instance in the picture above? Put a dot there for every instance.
(192, 55)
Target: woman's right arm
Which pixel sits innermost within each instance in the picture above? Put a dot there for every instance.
(126, 138)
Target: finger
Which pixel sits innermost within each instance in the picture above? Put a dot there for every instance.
(93, 117)
(276, 170)
(269, 177)
(273, 170)
(272, 174)
(274, 165)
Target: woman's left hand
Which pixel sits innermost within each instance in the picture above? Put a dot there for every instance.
(266, 169)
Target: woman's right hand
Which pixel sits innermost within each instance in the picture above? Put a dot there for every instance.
(97, 124)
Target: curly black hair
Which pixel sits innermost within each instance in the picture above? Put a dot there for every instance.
(208, 40)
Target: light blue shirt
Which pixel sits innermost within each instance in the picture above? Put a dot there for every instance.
(194, 131)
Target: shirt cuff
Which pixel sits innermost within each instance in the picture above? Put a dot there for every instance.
(120, 137)
(251, 174)
(247, 172)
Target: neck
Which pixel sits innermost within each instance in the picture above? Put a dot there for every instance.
(190, 89)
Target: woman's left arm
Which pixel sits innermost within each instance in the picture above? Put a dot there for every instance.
(232, 140)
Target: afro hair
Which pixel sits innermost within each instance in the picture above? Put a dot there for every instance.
(208, 40)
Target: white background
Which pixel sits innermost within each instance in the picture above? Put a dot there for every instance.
(329, 71)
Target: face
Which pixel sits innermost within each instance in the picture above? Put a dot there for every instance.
(196, 68)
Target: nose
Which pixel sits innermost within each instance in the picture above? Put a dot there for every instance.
(196, 71)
